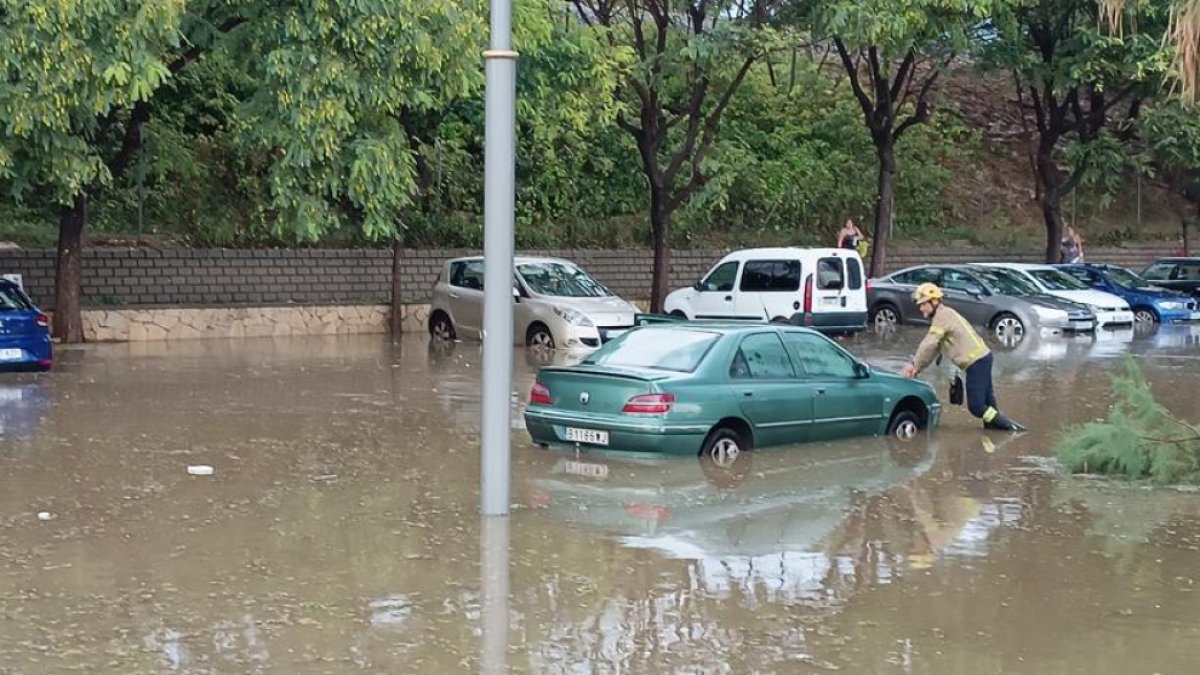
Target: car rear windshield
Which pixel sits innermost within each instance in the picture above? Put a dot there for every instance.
(1057, 281)
(656, 348)
(13, 300)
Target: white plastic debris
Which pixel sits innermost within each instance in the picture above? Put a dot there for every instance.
(45, 515)
(200, 470)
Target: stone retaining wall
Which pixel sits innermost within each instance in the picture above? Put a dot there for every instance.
(115, 278)
(138, 325)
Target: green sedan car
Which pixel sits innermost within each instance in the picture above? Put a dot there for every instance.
(720, 389)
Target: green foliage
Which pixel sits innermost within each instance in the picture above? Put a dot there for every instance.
(1139, 439)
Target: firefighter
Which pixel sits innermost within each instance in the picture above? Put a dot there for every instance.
(952, 336)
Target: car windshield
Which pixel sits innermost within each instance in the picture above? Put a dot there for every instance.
(1123, 277)
(1058, 281)
(657, 348)
(1003, 282)
(13, 300)
(561, 279)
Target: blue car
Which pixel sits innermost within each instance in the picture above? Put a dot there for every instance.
(1150, 304)
(24, 331)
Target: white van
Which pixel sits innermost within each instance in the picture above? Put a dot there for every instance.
(819, 287)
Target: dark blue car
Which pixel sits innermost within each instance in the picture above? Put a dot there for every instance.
(1148, 302)
(24, 331)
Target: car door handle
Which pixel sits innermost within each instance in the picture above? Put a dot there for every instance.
(748, 393)
(821, 392)
(454, 295)
(729, 298)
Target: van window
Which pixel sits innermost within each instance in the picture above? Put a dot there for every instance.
(761, 357)
(829, 274)
(722, 278)
(771, 275)
(467, 274)
(855, 273)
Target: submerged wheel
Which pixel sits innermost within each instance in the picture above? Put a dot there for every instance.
(1144, 316)
(1008, 329)
(539, 337)
(885, 317)
(904, 425)
(440, 327)
(725, 458)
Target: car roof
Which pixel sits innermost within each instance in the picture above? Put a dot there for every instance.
(785, 251)
(1177, 259)
(517, 260)
(1026, 267)
(726, 327)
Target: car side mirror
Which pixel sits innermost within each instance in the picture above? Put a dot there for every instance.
(516, 294)
(861, 370)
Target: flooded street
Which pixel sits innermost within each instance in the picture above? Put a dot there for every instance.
(340, 532)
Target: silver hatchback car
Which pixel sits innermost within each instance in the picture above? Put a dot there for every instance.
(558, 304)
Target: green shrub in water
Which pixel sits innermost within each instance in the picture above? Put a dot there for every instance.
(1139, 439)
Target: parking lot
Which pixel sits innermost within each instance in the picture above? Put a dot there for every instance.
(339, 529)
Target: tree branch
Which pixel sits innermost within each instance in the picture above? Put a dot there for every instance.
(852, 73)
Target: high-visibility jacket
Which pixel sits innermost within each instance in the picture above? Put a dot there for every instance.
(952, 336)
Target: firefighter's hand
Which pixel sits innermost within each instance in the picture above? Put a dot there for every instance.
(909, 371)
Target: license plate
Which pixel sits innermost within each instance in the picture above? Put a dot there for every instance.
(592, 436)
(613, 334)
(586, 469)
(11, 354)
(829, 302)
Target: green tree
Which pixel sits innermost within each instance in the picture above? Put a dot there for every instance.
(681, 64)
(1081, 81)
(1183, 36)
(893, 53)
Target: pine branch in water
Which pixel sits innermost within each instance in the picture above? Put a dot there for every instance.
(1139, 439)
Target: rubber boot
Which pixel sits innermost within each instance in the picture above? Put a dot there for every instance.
(1001, 422)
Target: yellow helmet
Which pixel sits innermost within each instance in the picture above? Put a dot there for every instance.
(926, 292)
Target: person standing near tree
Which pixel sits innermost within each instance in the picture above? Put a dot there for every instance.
(849, 236)
(1071, 246)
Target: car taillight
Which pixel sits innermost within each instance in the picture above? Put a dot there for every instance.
(43, 321)
(657, 513)
(540, 394)
(870, 284)
(808, 299)
(649, 404)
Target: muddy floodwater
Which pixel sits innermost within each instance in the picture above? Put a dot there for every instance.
(339, 530)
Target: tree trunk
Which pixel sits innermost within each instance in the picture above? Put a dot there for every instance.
(397, 289)
(68, 281)
(1050, 186)
(660, 221)
(885, 206)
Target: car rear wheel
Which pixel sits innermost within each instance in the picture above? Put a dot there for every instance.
(440, 327)
(539, 337)
(677, 313)
(904, 425)
(723, 447)
(1008, 329)
(1145, 316)
(885, 317)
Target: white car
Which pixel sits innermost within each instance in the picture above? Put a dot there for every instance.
(824, 288)
(558, 305)
(1110, 310)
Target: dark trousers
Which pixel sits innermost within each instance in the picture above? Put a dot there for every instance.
(981, 399)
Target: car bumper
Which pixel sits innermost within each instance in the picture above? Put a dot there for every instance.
(26, 353)
(1117, 318)
(1177, 315)
(831, 322)
(549, 427)
(1069, 325)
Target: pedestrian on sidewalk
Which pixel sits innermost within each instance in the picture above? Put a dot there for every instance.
(849, 236)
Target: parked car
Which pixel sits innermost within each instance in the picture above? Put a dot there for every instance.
(24, 331)
(558, 304)
(817, 287)
(719, 389)
(1176, 274)
(1150, 303)
(999, 300)
(1110, 310)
